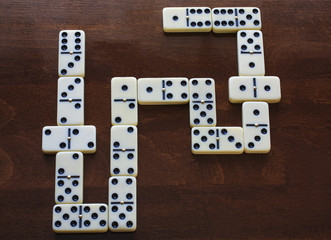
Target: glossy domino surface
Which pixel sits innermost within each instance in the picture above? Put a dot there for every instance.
(122, 204)
(255, 88)
(187, 19)
(217, 140)
(163, 91)
(71, 53)
(124, 150)
(80, 218)
(69, 138)
(233, 19)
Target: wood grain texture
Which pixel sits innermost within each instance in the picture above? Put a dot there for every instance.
(285, 194)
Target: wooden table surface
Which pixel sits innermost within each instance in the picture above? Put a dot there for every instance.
(285, 194)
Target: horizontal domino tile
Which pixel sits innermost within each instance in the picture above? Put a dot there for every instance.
(79, 218)
(217, 140)
(162, 91)
(233, 19)
(187, 19)
(254, 88)
(69, 138)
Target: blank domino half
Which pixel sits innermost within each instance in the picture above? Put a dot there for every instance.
(69, 175)
(124, 104)
(124, 150)
(80, 218)
(250, 53)
(217, 140)
(159, 91)
(71, 53)
(69, 138)
(233, 19)
(122, 204)
(187, 19)
(255, 120)
(257, 88)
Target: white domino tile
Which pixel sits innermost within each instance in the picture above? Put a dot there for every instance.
(69, 138)
(233, 19)
(217, 140)
(122, 204)
(69, 175)
(187, 19)
(71, 53)
(202, 102)
(159, 91)
(124, 104)
(124, 150)
(80, 218)
(255, 88)
(70, 101)
(250, 53)
(255, 120)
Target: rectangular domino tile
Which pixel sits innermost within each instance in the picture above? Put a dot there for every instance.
(255, 120)
(122, 204)
(124, 150)
(69, 138)
(233, 19)
(158, 91)
(250, 53)
(187, 19)
(257, 88)
(70, 101)
(78, 218)
(71, 53)
(217, 140)
(202, 102)
(69, 175)
(124, 104)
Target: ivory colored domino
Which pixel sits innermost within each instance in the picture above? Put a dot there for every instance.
(217, 140)
(159, 91)
(255, 120)
(80, 218)
(233, 19)
(124, 150)
(70, 101)
(255, 88)
(71, 53)
(122, 204)
(69, 138)
(202, 102)
(124, 105)
(69, 177)
(250, 53)
(187, 19)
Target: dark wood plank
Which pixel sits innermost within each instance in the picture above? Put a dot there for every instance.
(281, 195)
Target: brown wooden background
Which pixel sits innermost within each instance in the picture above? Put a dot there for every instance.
(281, 195)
